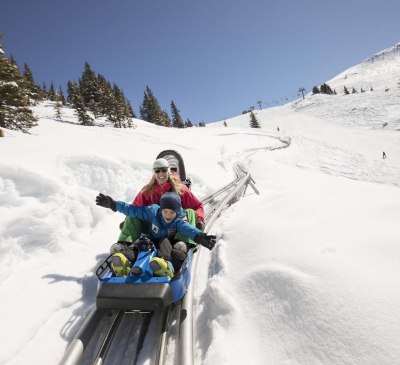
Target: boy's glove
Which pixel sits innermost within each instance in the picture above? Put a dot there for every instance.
(205, 240)
(106, 202)
(200, 225)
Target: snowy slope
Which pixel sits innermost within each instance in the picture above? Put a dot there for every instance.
(372, 109)
(304, 273)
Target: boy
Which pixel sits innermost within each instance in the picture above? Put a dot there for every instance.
(165, 220)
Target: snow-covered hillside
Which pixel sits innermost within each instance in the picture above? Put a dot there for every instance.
(377, 107)
(304, 273)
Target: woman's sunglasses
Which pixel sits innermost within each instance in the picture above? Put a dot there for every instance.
(164, 169)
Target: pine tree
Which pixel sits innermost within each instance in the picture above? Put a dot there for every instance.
(126, 109)
(253, 121)
(112, 113)
(82, 112)
(102, 99)
(177, 121)
(61, 96)
(45, 94)
(131, 112)
(13, 62)
(106, 92)
(120, 115)
(326, 89)
(150, 110)
(71, 89)
(108, 99)
(166, 120)
(58, 109)
(78, 103)
(90, 91)
(315, 90)
(52, 92)
(144, 108)
(34, 89)
(14, 97)
(188, 123)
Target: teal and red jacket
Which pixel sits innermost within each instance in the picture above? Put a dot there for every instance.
(158, 228)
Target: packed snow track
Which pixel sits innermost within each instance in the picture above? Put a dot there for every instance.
(110, 337)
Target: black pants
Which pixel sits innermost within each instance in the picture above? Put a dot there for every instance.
(165, 249)
(176, 254)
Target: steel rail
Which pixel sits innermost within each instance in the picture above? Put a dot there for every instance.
(234, 191)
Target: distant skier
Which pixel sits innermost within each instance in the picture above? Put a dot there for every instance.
(277, 128)
(384, 155)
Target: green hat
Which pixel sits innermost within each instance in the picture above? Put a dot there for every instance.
(159, 163)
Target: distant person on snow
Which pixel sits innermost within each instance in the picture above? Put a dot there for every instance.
(384, 155)
(164, 179)
(165, 220)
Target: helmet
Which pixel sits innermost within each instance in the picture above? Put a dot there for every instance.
(160, 162)
(173, 166)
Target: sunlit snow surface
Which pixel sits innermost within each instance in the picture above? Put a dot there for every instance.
(304, 273)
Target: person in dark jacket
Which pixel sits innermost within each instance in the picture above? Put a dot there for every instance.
(164, 222)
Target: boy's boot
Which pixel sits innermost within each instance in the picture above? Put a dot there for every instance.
(120, 264)
(177, 258)
(161, 267)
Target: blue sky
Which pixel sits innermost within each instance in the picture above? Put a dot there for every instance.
(213, 58)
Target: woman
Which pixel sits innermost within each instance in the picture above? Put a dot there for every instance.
(164, 181)
(161, 182)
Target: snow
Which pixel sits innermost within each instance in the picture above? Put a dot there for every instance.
(304, 273)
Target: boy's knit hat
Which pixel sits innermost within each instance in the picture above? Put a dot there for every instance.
(171, 201)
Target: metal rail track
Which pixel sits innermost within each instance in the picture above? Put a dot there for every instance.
(111, 337)
(218, 202)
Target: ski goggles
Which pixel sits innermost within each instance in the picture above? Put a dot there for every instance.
(164, 169)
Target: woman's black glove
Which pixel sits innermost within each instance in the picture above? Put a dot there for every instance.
(205, 240)
(106, 202)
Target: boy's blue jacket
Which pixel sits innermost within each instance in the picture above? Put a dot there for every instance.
(158, 229)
